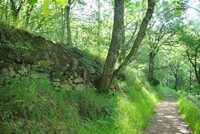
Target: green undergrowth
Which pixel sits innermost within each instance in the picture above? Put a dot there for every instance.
(189, 108)
(35, 106)
(136, 105)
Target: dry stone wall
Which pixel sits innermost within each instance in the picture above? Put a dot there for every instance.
(67, 67)
(68, 78)
(64, 66)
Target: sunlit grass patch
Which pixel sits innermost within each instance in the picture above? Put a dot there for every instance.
(136, 105)
(188, 108)
(99, 51)
(190, 113)
(33, 105)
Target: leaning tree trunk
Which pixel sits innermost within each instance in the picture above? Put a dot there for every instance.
(69, 39)
(124, 46)
(109, 74)
(151, 66)
(105, 79)
(138, 40)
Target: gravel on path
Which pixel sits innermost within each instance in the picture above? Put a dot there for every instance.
(167, 119)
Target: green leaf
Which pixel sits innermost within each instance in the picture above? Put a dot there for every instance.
(32, 2)
(45, 8)
(62, 2)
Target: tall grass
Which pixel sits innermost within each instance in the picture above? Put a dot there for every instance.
(34, 106)
(189, 109)
(136, 105)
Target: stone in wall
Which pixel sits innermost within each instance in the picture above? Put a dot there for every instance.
(79, 80)
(23, 70)
(80, 87)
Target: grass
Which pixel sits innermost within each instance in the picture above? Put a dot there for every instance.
(189, 109)
(136, 106)
(34, 106)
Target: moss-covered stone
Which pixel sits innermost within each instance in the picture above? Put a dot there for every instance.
(43, 56)
(58, 73)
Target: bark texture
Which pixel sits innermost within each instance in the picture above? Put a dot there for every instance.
(69, 38)
(175, 67)
(106, 77)
(125, 47)
(151, 66)
(138, 40)
(109, 74)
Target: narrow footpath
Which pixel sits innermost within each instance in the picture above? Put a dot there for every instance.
(167, 119)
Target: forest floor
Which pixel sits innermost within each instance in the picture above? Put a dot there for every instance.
(167, 119)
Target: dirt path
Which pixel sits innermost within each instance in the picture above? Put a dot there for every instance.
(167, 119)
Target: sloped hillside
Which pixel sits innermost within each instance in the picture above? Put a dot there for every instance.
(69, 67)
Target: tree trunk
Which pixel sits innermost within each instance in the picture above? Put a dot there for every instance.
(138, 40)
(123, 51)
(176, 82)
(108, 74)
(199, 75)
(168, 80)
(15, 10)
(125, 47)
(69, 39)
(106, 77)
(190, 78)
(194, 64)
(151, 66)
(63, 26)
(6, 9)
(28, 14)
(196, 73)
(99, 23)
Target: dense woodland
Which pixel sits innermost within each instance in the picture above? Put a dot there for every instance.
(159, 40)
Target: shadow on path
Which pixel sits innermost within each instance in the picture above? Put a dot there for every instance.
(167, 119)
